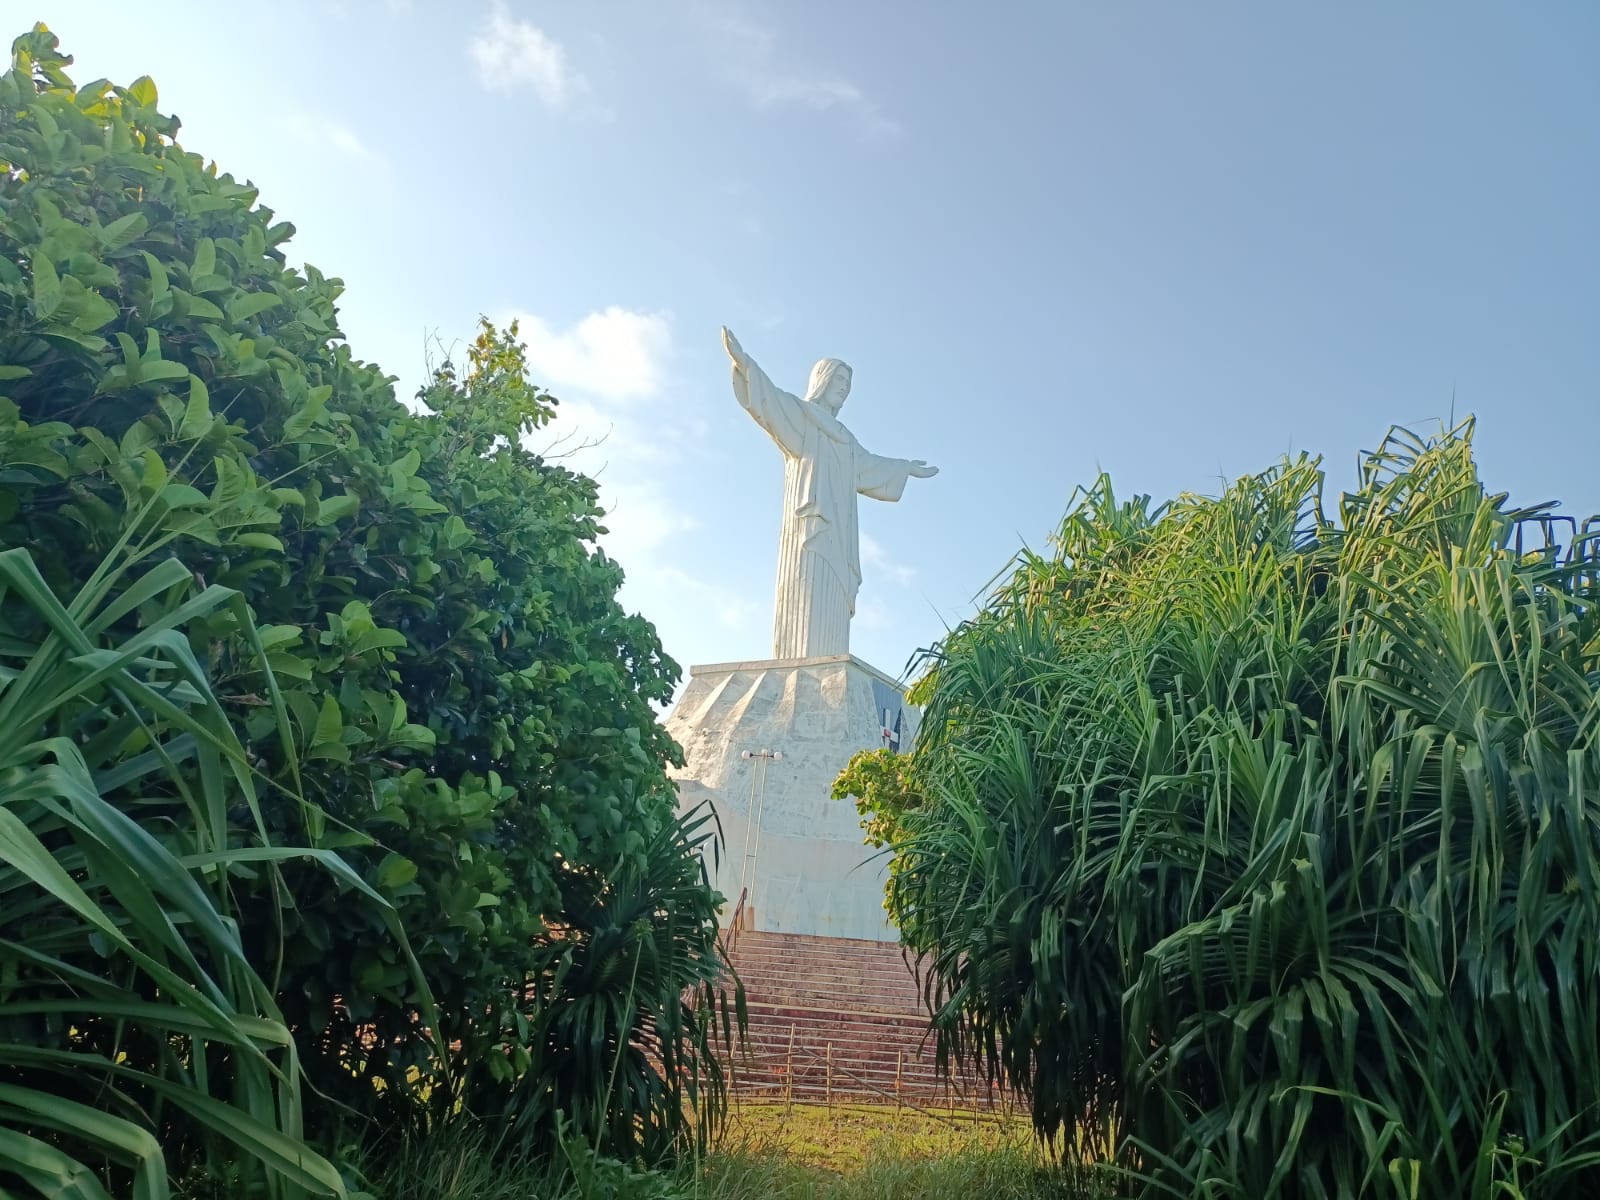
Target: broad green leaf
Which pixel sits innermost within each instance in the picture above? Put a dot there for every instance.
(378, 639)
(260, 541)
(330, 724)
(197, 417)
(406, 465)
(159, 286)
(396, 871)
(335, 508)
(308, 414)
(273, 636)
(188, 304)
(94, 311)
(162, 371)
(252, 304)
(205, 258)
(143, 89)
(155, 471)
(183, 495)
(46, 286)
(124, 230)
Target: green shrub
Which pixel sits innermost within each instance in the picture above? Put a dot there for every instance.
(131, 1022)
(468, 707)
(1270, 844)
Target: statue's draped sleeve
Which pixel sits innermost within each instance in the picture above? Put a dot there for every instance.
(774, 409)
(881, 478)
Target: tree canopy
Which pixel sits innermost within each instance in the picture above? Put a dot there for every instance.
(428, 669)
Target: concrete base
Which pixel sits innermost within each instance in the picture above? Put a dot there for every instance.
(794, 852)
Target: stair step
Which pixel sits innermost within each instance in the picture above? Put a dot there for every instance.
(840, 1017)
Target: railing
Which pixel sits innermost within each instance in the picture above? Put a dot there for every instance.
(730, 938)
(775, 1074)
(1540, 534)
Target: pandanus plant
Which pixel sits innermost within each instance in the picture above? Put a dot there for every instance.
(1266, 845)
(134, 1031)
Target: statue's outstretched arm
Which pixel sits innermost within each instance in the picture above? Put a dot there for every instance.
(741, 360)
(881, 478)
(775, 410)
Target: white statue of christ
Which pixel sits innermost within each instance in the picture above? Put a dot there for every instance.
(819, 561)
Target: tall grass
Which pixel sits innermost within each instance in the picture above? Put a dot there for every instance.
(1266, 846)
(465, 1168)
(133, 1030)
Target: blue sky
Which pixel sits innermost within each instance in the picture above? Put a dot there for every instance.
(1171, 240)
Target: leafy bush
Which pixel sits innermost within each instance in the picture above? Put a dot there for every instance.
(468, 709)
(1271, 844)
(126, 987)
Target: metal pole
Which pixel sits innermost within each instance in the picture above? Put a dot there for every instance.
(828, 1080)
(749, 828)
(752, 831)
(788, 1075)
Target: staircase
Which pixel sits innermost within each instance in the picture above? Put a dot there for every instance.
(835, 1019)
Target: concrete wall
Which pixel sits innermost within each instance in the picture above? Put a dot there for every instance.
(811, 872)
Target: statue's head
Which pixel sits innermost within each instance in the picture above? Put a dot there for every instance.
(830, 384)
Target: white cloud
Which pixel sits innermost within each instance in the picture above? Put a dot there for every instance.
(619, 422)
(730, 611)
(646, 531)
(341, 138)
(615, 354)
(872, 615)
(876, 559)
(640, 520)
(330, 135)
(511, 54)
(753, 63)
(596, 436)
(634, 461)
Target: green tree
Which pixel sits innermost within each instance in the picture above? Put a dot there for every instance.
(1266, 847)
(883, 787)
(468, 707)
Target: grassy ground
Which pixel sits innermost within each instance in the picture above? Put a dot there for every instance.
(841, 1139)
(772, 1152)
(809, 1152)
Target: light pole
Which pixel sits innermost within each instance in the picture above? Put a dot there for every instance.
(752, 830)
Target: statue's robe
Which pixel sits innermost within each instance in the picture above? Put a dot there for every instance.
(824, 467)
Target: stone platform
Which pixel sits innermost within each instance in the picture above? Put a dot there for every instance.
(807, 870)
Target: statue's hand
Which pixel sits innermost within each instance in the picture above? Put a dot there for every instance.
(735, 351)
(922, 470)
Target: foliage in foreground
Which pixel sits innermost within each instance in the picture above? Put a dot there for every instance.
(423, 663)
(1270, 844)
(127, 988)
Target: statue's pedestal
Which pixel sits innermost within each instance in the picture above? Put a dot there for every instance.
(794, 852)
